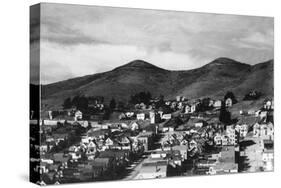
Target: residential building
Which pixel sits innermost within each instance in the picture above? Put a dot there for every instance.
(228, 102)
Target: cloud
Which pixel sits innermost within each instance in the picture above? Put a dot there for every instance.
(88, 39)
(257, 40)
(59, 62)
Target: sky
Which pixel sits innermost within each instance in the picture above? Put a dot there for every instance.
(81, 40)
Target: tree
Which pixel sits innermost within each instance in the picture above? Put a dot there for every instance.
(82, 103)
(67, 103)
(141, 97)
(121, 105)
(225, 116)
(75, 101)
(161, 102)
(229, 94)
(112, 104)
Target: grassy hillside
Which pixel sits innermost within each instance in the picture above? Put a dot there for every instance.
(212, 80)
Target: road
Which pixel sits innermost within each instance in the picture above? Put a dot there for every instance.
(135, 168)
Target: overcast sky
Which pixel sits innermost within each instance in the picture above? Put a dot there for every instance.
(80, 40)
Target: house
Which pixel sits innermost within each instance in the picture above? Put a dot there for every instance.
(137, 146)
(41, 168)
(228, 102)
(268, 104)
(168, 129)
(146, 139)
(257, 113)
(168, 141)
(152, 117)
(134, 126)
(175, 159)
(180, 105)
(182, 149)
(43, 148)
(232, 135)
(129, 114)
(265, 131)
(75, 156)
(192, 145)
(187, 109)
(157, 117)
(78, 115)
(124, 142)
(263, 115)
(166, 116)
(199, 123)
(109, 143)
(160, 113)
(211, 102)
(141, 116)
(92, 148)
(193, 108)
(173, 105)
(227, 138)
(217, 104)
(73, 149)
(242, 129)
(218, 139)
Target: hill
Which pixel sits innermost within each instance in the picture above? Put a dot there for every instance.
(211, 80)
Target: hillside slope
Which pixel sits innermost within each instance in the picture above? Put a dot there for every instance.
(212, 80)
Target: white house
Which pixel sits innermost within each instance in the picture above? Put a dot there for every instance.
(228, 138)
(152, 117)
(187, 109)
(199, 124)
(242, 130)
(168, 129)
(265, 131)
(166, 116)
(193, 108)
(228, 102)
(134, 126)
(217, 104)
(78, 115)
(192, 145)
(141, 116)
(267, 104)
(218, 139)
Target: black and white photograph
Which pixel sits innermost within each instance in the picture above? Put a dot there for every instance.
(130, 94)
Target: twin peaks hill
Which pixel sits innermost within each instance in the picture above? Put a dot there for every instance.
(210, 80)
